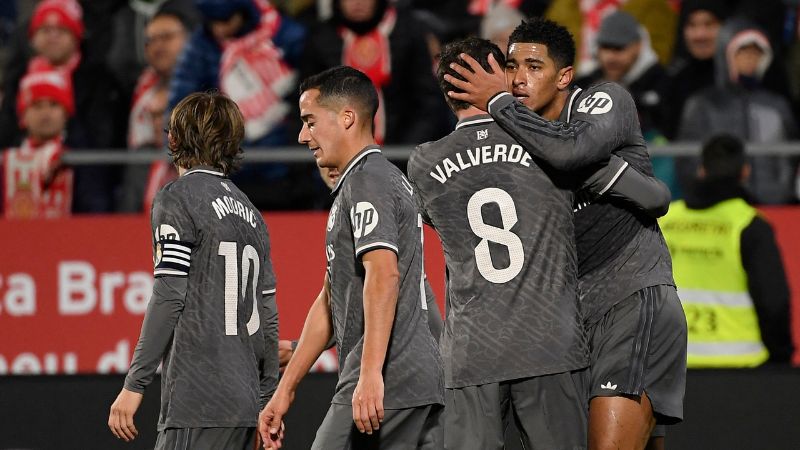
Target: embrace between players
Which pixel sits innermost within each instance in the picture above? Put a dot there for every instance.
(562, 313)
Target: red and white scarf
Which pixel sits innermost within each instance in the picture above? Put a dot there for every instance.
(254, 74)
(371, 54)
(141, 132)
(481, 7)
(35, 183)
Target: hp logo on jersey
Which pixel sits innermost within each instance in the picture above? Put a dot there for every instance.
(597, 103)
(364, 218)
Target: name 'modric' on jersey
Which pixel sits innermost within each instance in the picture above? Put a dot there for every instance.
(226, 205)
(487, 154)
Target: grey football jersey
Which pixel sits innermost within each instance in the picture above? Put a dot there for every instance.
(507, 233)
(374, 209)
(620, 250)
(206, 229)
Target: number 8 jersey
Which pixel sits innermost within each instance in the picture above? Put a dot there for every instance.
(223, 355)
(508, 238)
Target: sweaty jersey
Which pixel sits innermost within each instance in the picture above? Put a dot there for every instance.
(206, 229)
(620, 250)
(373, 210)
(507, 233)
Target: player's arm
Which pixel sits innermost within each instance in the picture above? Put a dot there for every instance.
(586, 140)
(163, 311)
(381, 287)
(173, 232)
(270, 364)
(619, 180)
(317, 332)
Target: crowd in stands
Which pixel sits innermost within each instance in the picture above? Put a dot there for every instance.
(106, 73)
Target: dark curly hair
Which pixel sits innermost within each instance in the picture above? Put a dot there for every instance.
(206, 128)
(560, 45)
(472, 46)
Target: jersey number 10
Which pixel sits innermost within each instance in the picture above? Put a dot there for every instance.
(249, 260)
(490, 233)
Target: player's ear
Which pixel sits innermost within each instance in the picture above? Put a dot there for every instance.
(565, 76)
(348, 117)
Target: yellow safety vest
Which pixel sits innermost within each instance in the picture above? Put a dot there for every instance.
(712, 284)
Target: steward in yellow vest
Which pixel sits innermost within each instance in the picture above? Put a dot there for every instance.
(727, 267)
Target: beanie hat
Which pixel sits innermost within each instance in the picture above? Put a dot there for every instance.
(45, 84)
(63, 13)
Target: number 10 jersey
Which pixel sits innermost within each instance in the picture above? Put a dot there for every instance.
(508, 238)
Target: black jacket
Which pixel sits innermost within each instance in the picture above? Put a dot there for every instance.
(761, 259)
(415, 109)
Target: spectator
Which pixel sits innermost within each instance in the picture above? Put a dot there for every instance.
(165, 36)
(388, 45)
(728, 267)
(583, 17)
(693, 68)
(738, 104)
(249, 51)
(56, 33)
(36, 185)
(498, 23)
(626, 57)
(125, 32)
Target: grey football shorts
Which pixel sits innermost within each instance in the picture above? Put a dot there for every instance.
(550, 412)
(401, 429)
(640, 346)
(206, 439)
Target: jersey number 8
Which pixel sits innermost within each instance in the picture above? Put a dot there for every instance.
(490, 233)
(249, 259)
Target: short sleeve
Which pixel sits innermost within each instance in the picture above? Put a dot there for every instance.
(372, 213)
(173, 236)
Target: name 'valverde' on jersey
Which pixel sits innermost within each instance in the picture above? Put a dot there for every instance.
(206, 229)
(507, 234)
(620, 250)
(373, 210)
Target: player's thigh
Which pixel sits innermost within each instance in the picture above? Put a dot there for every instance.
(550, 411)
(475, 417)
(640, 346)
(401, 429)
(241, 438)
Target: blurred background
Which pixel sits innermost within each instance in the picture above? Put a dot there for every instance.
(86, 88)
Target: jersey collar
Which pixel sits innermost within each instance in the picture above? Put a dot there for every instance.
(566, 113)
(359, 156)
(479, 119)
(205, 169)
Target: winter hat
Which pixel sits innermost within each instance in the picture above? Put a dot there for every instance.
(63, 13)
(45, 84)
(619, 29)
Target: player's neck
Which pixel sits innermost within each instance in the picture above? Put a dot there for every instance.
(553, 110)
(182, 170)
(353, 147)
(472, 111)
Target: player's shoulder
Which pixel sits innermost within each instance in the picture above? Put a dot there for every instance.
(604, 99)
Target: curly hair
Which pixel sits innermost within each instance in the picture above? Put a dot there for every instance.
(206, 128)
(560, 45)
(451, 53)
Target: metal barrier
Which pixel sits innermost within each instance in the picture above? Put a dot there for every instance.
(299, 154)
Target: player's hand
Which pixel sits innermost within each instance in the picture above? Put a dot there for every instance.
(480, 86)
(368, 402)
(120, 419)
(285, 352)
(270, 421)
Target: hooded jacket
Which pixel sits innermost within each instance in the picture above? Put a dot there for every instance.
(742, 107)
